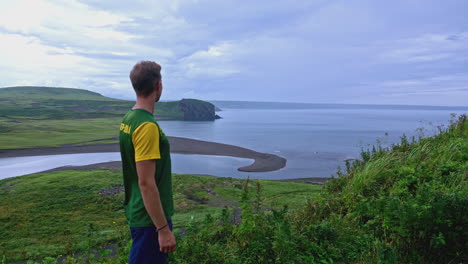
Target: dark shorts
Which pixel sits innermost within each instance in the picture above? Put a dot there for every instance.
(145, 246)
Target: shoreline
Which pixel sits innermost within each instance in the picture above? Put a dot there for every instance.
(263, 162)
(117, 165)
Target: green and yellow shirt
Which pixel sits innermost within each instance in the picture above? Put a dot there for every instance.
(141, 139)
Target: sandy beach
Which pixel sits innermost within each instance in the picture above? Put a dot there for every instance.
(263, 162)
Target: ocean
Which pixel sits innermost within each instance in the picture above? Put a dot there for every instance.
(315, 139)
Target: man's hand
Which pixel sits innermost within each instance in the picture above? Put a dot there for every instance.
(167, 242)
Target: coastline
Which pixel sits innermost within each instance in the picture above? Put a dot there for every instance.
(263, 162)
(117, 165)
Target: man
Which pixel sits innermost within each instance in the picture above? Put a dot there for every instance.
(146, 166)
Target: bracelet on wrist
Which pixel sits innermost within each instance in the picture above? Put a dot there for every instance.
(161, 228)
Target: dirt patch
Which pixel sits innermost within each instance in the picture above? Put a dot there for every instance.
(113, 190)
(7, 188)
(196, 199)
(314, 181)
(210, 191)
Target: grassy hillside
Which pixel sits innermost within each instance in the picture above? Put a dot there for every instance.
(43, 103)
(45, 93)
(406, 204)
(49, 117)
(64, 212)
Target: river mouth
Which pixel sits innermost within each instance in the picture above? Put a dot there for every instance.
(181, 163)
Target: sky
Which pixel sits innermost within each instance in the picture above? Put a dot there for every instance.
(412, 52)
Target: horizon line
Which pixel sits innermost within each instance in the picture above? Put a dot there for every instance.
(275, 102)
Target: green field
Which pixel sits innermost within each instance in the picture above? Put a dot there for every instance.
(50, 117)
(64, 212)
(54, 133)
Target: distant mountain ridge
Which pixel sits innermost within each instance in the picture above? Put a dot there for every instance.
(51, 93)
(62, 103)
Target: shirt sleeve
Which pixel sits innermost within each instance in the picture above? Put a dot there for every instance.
(146, 142)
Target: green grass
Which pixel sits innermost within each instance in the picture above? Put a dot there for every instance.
(408, 202)
(49, 117)
(44, 103)
(62, 212)
(49, 103)
(54, 133)
(405, 204)
(47, 93)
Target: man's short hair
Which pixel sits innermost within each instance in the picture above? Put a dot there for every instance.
(144, 75)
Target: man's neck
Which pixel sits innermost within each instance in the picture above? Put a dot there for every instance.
(145, 103)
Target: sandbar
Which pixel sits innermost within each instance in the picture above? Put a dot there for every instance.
(263, 162)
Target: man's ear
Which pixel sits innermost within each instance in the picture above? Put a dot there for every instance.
(158, 85)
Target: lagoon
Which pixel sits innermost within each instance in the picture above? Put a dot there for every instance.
(181, 163)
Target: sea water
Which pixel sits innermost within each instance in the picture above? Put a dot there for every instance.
(315, 141)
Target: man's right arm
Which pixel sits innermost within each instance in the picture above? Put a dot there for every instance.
(152, 202)
(145, 140)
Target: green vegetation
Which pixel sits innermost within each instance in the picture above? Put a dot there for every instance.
(44, 103)
(54, 133)
(61, 213)
(405, 204)
(50, 117)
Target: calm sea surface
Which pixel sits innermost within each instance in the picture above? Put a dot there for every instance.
(314, 141)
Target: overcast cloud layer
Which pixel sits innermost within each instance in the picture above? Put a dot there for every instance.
(318, 51)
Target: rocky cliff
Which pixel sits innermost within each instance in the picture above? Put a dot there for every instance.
(197, 110)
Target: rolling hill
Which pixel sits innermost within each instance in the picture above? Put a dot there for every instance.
(50, 117)
(39, 103)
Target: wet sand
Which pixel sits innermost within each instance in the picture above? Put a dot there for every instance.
(263, 162)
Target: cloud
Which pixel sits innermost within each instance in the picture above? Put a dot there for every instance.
(436, 84)
(69, 44)
(32, 57)
(70, 19)
(449, 89)
(216, 61)
(426, 48)
(310, 51)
